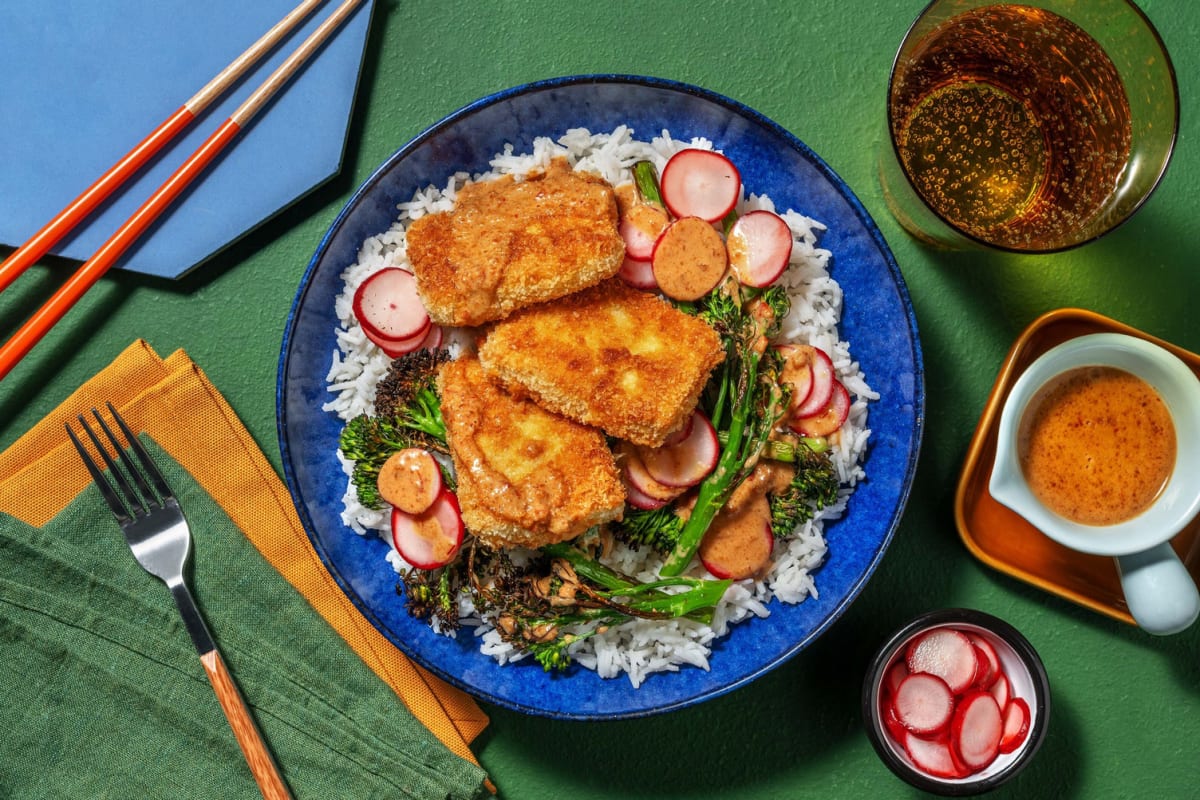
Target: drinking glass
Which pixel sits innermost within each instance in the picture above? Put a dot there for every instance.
(1030, 127)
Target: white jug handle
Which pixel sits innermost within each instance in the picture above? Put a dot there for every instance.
(1160, 592)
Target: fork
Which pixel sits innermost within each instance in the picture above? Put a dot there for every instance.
(157, 532)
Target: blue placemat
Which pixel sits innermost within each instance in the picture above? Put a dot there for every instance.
(82, 81)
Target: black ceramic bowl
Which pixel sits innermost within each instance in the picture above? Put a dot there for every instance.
(1023, 669)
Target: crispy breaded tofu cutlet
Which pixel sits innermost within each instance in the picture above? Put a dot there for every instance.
(610, 356)
(508, 244)
(526, 477)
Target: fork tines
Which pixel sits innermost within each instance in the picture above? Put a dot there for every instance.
(126, 502)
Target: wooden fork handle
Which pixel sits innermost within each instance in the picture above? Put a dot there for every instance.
(262, 763)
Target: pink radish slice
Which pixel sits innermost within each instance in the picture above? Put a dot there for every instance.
(932, 756)
(700, 183)
(433, 339)
(634, 471)
(895, 674)
(822, 384)
(1016, 725)
(893, 725)
(830, 419)
(1001, 689)
(684, 432)
(797, 371)
(638, 274)
(989, 661)
(688, 461)
(640, 500)
(639, 242)
(944, 652)
(431, 539)
(976, 730)
(924, 703)
(737, 552)
(387, 304)
(760, 246)
(429, 339)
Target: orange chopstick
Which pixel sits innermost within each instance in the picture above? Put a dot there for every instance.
(53, 231)
(86, 276)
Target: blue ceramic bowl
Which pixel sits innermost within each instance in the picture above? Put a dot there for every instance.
(878, 322)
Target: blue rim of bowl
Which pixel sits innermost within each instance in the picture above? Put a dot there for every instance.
(951, 616)
(869, 227)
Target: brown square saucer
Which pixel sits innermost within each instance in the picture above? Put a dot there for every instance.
(1001, 538)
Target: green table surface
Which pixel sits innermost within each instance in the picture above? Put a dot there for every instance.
(1126, 717)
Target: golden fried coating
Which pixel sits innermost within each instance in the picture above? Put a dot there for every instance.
(508, 244)
(526, 477)
(610, 356)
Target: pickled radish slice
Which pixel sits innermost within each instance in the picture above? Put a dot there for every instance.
(687, 461)
(432, 539)
(976, 730)
(760, 246)
(387, 305)
(700, 183)
(923, 703)
(944, 652)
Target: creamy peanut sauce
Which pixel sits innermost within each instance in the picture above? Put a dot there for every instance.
(740, 537)
(429, 528)
(1097, 445)
(409, 480)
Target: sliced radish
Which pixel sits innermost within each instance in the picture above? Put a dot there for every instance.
(989, 661)
(387, 304)
(429, 339)
(640, 500)
(976, 730)
(638, 274)
(737, 551)
(830, 419)
(924, 703)
(932, 756)
(822, 384)
(640, 228)
(700, 183)
(797, 371)
(895, 674)
(689, 259)
(893, 725)
(944, 652)
(1001, 689)
(684, 432)
(688, 461)
(760, 246)
(410, 480)
(1016, 725)
(636, 476)
(432, 539)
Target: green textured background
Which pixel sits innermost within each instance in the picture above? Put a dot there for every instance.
(1126, 719)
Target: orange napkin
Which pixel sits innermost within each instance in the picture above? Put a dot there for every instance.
(173, 401)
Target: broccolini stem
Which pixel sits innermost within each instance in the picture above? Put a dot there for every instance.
(645, 177)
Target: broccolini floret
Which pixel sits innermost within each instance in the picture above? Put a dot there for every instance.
(408, 413)
(658, 528)
(814, 486)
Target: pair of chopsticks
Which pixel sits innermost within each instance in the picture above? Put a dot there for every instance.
(77, 285)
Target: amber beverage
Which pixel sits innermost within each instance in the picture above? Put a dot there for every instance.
(1018, 127)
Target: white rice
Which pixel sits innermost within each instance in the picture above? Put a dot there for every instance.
(639, 647)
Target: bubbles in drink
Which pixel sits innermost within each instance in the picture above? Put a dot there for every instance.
(1013, 124)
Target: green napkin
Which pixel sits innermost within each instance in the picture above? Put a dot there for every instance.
(103, 694)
